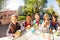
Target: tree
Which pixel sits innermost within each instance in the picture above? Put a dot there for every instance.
(50, 10)
(58, 1)
(34, 5)
(2, 2)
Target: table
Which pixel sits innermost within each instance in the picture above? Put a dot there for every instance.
(56, 37)
(4, 38)
(31, 36)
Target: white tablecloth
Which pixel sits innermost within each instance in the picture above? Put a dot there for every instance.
(33, 37)
(4, 38)
(56, 37)
(30, 36)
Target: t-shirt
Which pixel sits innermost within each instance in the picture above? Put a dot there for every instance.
(25, 24)
(13, 28)
(53, 25)
(37, 22)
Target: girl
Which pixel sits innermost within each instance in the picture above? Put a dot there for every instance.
(37, 19)
(27, 23)
(45, 23)
(53, 23)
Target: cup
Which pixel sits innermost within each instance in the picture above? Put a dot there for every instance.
(32, 30)
(18, 33)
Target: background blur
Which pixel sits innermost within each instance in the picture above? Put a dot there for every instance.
(24, 7)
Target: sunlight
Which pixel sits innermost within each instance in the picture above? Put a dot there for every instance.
(14, 4)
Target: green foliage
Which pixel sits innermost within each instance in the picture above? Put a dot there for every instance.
(50, 10)
(58, 1)
(2, 2)
(33, 5)
(59, 16)
(21, 18)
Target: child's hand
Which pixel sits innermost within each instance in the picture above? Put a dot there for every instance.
(15, 35)
(45, 25)
(28, 27)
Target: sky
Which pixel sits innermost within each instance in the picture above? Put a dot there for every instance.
(54, 4)
(14, 4)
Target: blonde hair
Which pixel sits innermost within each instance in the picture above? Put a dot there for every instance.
(46, 15)
(14, 16)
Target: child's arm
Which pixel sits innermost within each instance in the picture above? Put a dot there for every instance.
(7, 33)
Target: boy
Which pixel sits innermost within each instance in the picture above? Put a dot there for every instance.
(27, 23)
(13, 26)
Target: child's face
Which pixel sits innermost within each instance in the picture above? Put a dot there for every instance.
(37, 17)
(14, 20)
(28, 18)
(46, 17)
(54, 19)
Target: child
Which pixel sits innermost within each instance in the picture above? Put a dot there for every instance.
(27, 23)
(53, 23)
(37, 19)
(46, 22)
(13, 26)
